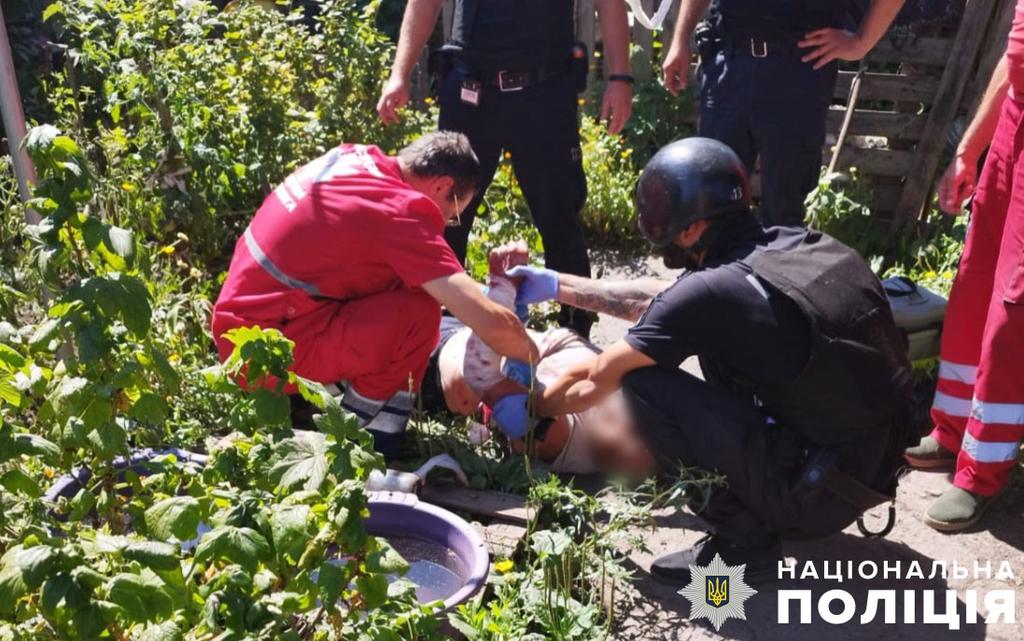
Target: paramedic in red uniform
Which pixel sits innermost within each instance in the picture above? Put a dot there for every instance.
(347, 258)
(979, 404)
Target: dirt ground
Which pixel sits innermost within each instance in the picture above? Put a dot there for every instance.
(651, 610)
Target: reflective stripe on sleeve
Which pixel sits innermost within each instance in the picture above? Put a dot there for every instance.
(998, 413)
(951, 405)
(983, 452)
(268, 265)
(957, 372)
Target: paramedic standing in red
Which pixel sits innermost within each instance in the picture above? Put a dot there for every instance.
(979, 405)
(347, 258)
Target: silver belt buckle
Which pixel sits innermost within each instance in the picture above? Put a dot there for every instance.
(513, 77)
(754, 47)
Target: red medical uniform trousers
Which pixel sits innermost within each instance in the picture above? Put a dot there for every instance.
(979, 404)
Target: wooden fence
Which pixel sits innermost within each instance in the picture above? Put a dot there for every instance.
(907, 95)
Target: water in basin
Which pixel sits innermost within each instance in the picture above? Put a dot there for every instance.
(435, 569)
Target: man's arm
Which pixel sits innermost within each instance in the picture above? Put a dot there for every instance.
(960, 178)
(676, 67)
(497, 326)
(617, 103)
(417, 25)
(837, 44)
(625, 299)
(583, 386)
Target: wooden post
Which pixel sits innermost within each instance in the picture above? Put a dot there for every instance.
(643, 40)
(585, 33)
(964, 54)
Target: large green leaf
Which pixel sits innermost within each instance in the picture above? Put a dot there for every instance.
(291, 528)
(35, 445)
(34, 563)
(17, 481)
(300, 461)
(240, 545)
(177, 517)
(166, 631)
(143, 596)
(153, 554)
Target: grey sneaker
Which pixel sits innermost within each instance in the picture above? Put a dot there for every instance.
(956, 510)
(930, 455)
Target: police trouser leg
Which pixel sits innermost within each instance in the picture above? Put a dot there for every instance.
(545, 146)
(687, 422)
(790, 106)
(480, 125)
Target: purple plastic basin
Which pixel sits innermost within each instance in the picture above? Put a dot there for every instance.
(397, 514)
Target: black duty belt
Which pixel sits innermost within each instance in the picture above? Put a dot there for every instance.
(760, 48)
(509, 80)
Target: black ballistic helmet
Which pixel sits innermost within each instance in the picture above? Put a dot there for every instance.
(688, 180)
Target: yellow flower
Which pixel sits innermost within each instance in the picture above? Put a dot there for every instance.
(428, 100)
(581, 101)
(508, 155)
(503, 566)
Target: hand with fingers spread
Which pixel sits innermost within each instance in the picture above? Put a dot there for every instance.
(831, 44)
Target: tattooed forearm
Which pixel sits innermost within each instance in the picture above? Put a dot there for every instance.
(622, 299)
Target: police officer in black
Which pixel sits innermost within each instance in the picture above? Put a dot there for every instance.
(767, 75)
(806, 379)
(512, 76)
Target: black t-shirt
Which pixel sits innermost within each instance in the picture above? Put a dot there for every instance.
(778, 19)
(728, 317)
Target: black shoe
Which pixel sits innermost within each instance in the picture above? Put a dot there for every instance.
(762, 563)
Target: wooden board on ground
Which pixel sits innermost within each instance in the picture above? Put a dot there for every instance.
(496, 505)
(502, 538)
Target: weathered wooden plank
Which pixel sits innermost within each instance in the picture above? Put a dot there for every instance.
(919, 51)
(995, 46)
(888, 124)
(502, 539)
(885, 162)
(962, 58)
(495, 505)
(642, 38)
(586, 25)
(889, 86)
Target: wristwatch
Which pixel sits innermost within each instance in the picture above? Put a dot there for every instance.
(621, 77)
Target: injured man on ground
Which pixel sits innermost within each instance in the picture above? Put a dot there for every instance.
(467, 377)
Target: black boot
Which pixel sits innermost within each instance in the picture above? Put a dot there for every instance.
(762, 562)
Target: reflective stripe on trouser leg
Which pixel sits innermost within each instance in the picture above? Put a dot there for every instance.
(385, 420)
(952, 403)
(996, 424)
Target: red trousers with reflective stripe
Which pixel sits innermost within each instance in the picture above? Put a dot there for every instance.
(378, 343)
(979, 404)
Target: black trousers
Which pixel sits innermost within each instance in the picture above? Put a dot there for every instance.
(687, 421)
(538, 125)
(773, 108)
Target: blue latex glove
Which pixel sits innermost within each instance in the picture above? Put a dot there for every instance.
(512, 415)
(538, 285)
(518, 371)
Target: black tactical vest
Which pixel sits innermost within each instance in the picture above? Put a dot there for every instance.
(514, 34)
(857, 378)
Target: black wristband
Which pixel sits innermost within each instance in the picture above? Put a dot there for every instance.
(621, 77)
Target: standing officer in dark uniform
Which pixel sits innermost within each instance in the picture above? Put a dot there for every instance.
(767, 73)
(512, 75)
(806, 384)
